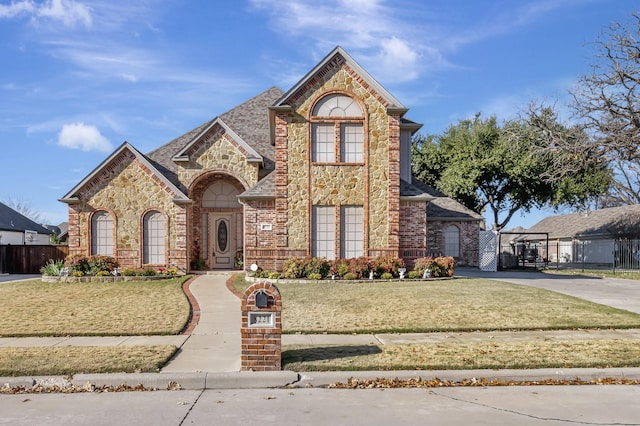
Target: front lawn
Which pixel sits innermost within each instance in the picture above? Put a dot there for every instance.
(44, 361)
(461, 304)
(465, 356)
(35, 308)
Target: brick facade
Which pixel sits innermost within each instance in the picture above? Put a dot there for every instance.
(261, 329)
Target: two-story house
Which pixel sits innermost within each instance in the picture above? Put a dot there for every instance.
(321, 170)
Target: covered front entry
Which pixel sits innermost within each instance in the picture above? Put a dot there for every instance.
(216, 222)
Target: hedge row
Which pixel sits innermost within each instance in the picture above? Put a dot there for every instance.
(385, 267)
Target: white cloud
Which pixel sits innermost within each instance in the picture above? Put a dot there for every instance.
(84, 137)
(69, 12)
(16, 8)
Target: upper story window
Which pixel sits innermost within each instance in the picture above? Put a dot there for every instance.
(337, 133)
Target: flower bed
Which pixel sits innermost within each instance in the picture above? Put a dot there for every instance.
(103, 279)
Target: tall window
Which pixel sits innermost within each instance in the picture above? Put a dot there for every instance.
(154, 238)
(102, 234)
(324, 232)
(452, 241)
(337, 126)
(351, 232)
(324, 144)
(351, 141)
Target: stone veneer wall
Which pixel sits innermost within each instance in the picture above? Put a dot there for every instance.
(373, 179)
(217, 151)
(127, 190)
(469, 240)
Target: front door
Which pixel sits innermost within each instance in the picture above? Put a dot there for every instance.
(221, 250)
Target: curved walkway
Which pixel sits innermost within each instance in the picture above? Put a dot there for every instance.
(214, 343)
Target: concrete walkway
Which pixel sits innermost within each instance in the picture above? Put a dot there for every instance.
(214, 344)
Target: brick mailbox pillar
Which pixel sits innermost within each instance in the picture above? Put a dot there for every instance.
(261, 328)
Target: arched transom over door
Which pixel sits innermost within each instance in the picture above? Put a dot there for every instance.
(221, 224)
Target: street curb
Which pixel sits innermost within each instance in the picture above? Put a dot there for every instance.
(279, 379)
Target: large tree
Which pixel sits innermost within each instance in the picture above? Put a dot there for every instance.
(485, 166)
(607, 101)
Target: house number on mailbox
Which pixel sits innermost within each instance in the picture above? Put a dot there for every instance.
(261, 319)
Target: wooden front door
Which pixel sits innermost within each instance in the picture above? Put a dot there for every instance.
(221, 241)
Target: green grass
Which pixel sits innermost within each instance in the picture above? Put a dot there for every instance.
(35, 308)
(426, 306)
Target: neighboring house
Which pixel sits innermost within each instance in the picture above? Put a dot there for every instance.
(60, 231)
(17, 229)
(588, 237)
(321, 170)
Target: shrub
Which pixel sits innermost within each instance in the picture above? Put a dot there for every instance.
(103, 274)
(77, 263)
(360, 266)
(413, 275)
(274, 275)
(314, 276)
(128, 272)
(316, 266)
(386, 275)
(52, 268)
(439, 267)
(350, 276)
(339, 267)
(148, 272)
(294, 268)
(77, 273)
(387, 264)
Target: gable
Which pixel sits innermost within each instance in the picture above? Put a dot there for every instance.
(111, 168)
(337, 60)
(218, 148)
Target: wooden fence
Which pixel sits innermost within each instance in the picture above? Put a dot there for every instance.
(28, 259)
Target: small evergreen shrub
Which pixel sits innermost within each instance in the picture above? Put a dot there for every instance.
(386, 276)
(413, 275)
(314, 276)
(350, 276)
(274, 275)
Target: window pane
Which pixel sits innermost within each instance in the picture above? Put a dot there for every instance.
(351, 234)
(154, 236)
(102, 234)
(323, 143)
(452, 241)
(351, 141)
(324, 230)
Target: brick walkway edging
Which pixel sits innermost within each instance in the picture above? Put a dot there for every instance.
(194, 311)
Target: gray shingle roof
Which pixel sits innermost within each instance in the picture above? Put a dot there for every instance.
(11, 220)
(440, 207)
(611, 222)
(250, 120)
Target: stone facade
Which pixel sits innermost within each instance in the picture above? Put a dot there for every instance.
(127, 189)
(260, 153)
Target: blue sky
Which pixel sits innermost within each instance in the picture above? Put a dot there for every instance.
(79, 77)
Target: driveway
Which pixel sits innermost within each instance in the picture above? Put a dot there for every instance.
(4, 278)
(617, 292)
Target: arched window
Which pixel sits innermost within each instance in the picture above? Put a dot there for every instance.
(154, 238)
(452, 241)
(102, 233)
(337, 125)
